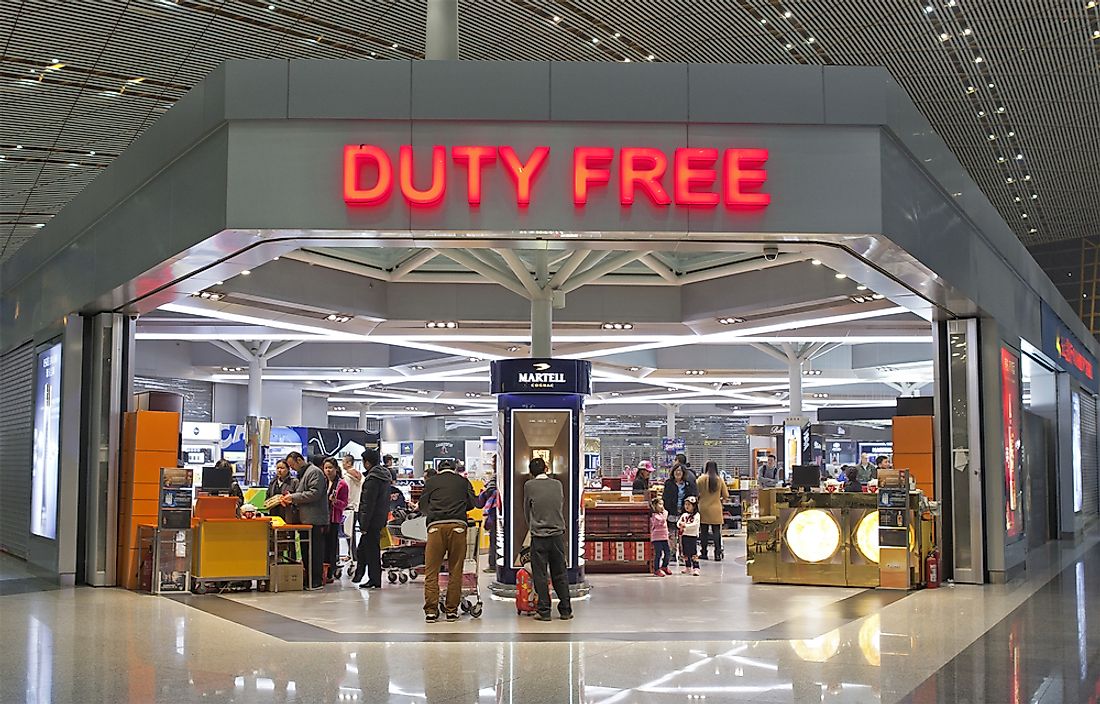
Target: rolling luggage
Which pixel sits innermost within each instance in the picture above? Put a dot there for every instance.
(526, 599)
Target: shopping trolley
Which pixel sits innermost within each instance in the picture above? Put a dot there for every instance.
(405, 560)
(471, 595)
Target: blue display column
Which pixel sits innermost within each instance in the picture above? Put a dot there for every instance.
(540, 413)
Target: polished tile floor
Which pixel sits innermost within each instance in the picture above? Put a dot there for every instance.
(715, 638)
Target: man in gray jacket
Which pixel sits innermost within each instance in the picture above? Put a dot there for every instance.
(311, 498)
(542, 507)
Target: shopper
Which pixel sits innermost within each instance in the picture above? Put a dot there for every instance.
(446, 500)
(391, 466)
(712, 492)
(853, 484)
(283, 484)
(883, 462)
(688, 525)
(682, 461)
(678, 487)
(338, 501)
(769, 473)
(312, 502)
(374, 510)
(354, 478)
(658, 535)
(542, 508)
(641, 478)
(489, 502)
(865, 470)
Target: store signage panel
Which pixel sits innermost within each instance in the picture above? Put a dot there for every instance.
(1011, 410)
(47, 441)
(691, 177)
(541, 376)
(1070, 353)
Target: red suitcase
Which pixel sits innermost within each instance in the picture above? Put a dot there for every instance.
(526, 599)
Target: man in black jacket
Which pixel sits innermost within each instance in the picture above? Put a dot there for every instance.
(374, 510)
(446, 500)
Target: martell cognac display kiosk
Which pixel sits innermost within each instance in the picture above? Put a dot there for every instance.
(540, 413)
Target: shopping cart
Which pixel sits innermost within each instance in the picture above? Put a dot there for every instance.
(405, 560)
(471, 595)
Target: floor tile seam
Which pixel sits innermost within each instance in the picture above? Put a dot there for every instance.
(1074, 556)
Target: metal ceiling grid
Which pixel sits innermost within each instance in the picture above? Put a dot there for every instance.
(127, 61)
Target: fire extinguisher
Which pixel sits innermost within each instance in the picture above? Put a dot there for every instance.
(932, 565)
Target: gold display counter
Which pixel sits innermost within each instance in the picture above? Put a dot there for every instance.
(827, 539)
(229, 549)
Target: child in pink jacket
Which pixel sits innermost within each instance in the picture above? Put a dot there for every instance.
(658, 535)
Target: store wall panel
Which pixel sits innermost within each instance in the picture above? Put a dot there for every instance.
(725, 93)
(825, 181)
(619, 92)
(287, 174)
(472, 90)
(16, 436)
(377, 90)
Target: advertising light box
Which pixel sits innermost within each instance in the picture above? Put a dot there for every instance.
(47, 441)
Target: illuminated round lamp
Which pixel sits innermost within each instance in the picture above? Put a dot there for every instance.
(813, 535)
(867, 536)
(819, 649)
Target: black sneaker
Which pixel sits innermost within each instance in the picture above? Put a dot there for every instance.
(431, 618)
(543, 617)
(567, 617)
(452, 616)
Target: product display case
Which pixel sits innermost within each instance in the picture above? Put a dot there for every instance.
(616, 536)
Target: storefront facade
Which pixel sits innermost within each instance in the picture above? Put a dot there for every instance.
(264, 157)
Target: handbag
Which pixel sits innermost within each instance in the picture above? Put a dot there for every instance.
(385, 540)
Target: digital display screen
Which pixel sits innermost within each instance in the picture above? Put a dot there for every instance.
(1010, 410)
(1078, 483)
(47, 441)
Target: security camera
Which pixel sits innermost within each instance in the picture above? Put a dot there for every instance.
(771, 253)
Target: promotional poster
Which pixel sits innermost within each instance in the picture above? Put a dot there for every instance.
(1010, 408)
(47, 441)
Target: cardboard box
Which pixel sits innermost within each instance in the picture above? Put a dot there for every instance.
(287, 578)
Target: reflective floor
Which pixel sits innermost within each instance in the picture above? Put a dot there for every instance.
(714, 638)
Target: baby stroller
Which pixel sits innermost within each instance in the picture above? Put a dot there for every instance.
(405, 560)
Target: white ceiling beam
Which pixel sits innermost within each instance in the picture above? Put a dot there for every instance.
(568, 268)
(230, 349)
(659, 268)
(605, 267)
(740, 268)
(523, 274)
(412, 263)
(338, 264)
(472, 263)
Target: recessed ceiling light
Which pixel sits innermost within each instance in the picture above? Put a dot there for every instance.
(40, 224)
(513, 348)
(473, 359)
(788, 14)
(246, 272)
(416, 367)
(351, 370)
(971, 89)
(967, 32)
(838, 275)
(816, 262)
(811, 40)
(790, 46)
(393, 46)
(731, 320)
(650, 57)
(337, 318)
(695, 372)
(595, 40)
(557, 18)
(618, 34)
(448, 324)
(634, 369)
(617, 326)
(271, 7)
(472, 394)
(944, 36)
(18, 146)
(877, 296)
(861, 287)
(928, 9)
(410, 408)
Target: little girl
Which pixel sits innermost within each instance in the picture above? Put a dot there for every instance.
(658, 535)
(688, 526)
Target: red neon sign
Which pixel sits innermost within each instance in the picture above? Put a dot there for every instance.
(1071, 356)
(696, 180)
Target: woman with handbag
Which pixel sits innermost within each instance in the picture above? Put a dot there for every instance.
(337, 500)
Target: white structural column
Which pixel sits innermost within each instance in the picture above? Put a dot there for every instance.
(441, 40)
(794, 372)
(542, 309)
(256, 355)
(670, 419)
(256, 367)
(363, 417)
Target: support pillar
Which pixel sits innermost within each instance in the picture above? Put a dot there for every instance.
(795, 376)
(670, 420)
(362, 417)
(441, 40)
(255, 385)
(542, 325)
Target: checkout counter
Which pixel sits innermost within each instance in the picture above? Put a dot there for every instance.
(828, 538)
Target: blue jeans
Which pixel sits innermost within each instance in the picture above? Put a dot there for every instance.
(661, 553)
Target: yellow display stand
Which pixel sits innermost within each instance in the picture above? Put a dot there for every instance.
(230, 550)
